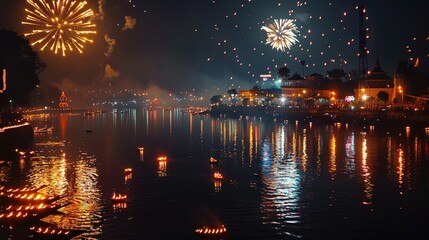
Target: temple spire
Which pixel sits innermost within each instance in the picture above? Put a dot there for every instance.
(63, 101)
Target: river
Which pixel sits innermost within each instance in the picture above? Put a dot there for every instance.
(281, 179)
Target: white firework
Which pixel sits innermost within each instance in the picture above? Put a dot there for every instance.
(281, 34)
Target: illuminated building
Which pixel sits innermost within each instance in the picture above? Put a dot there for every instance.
(377, 83)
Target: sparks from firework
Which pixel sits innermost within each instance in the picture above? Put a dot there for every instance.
(281, 34)
(61, 25)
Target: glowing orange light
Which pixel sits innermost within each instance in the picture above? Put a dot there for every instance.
(217, 175)
(119, 197)
(208, 230)
(213, 160)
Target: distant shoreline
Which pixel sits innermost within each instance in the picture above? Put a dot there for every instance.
(46, 111)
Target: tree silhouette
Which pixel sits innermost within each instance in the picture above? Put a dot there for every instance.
(23, 67)
(283, 72)
(216, 100)
(336, 74)
(383, 96)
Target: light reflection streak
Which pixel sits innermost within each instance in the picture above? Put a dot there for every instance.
(251, 143)
(333, 156)
(190, 125)
(366, 174)
(77, 181)
(171, 124)
(201, 131)
(407, 131)
(141, 152)
(133, 116)
(162, 168)
(128, 177)
(119, 206)
(304, 156)
(5, 174)
(350, 154)
(224, 132)
(63, 119)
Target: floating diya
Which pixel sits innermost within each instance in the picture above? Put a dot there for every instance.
(213, 160)
(118, 197)
(51, 232)
(162, 158)
(210, 230)
(217, 175)
(28, 197)
(26, 189)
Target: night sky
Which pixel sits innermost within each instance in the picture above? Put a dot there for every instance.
(213, 45)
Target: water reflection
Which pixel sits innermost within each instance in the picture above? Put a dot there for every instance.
(162, 168)
(366, 174)
(74, 179)
(141, 152)
(292, 179)
(281, 177)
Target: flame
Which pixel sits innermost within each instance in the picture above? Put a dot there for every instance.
(208, 230)
(218, 175)
(162, 158)
(119, 196)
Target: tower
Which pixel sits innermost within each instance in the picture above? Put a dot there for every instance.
(363, 51)
(63, 101)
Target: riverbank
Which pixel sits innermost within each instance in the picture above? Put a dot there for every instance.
(15, 134)
(361, 116)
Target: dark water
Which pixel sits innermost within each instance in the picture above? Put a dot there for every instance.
(281, 180)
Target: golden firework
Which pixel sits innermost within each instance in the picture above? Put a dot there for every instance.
(281, 34)
(61, 25)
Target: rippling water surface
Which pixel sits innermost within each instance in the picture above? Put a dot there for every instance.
(281, 180)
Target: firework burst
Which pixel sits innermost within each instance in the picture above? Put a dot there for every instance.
(281, 34)
(60, 25)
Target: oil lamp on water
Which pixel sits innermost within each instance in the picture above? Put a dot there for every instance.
(118, 197)
(217, 175)
(212, 231)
